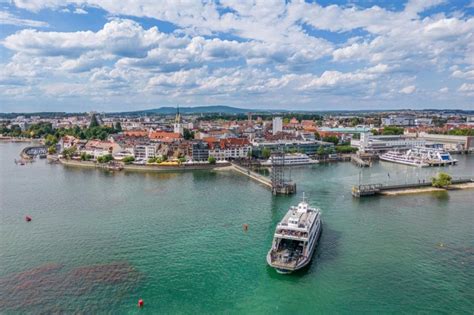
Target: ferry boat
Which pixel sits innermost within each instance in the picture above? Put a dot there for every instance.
(295, 239)
(292, 159)
(420, 156)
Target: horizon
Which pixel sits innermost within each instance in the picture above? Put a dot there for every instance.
(79, 56)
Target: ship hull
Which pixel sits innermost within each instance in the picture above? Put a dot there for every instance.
(382, 158)
(302, 263)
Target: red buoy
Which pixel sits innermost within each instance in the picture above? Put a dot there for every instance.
(27, 218)
(140, 303)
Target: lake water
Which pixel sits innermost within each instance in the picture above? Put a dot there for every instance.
(99, 241)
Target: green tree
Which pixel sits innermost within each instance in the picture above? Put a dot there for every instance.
(389, 131)
(118, 126)
(441, 180)
(317, 136)
(345, 149)
(52, 149)
(94, 122)
(188, 134)
(105, 158)
(86, 156)
(128, 159)
(211, 160)
(266, 152)
(68, 153)
(333, 139)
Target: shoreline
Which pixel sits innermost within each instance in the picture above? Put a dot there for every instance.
(146, 168)
(426, 189)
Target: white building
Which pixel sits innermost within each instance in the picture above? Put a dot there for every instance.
(378, 144)
(398, 121)
(277, 125)
(144, 152)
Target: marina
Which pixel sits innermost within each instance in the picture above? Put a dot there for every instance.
(150, 226)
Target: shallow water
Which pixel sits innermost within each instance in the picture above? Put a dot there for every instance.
(99, 241)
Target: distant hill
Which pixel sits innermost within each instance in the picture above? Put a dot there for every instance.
(193, 110)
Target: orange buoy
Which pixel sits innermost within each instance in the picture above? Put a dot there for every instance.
(27, 218)
(140, 303)
(245, 226)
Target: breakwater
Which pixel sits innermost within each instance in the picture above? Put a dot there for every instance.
(381, 189)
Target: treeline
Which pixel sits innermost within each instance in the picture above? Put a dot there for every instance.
(45, 130)
(388, 131)
(454, 132)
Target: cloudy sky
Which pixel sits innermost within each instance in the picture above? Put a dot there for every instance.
(79, 55)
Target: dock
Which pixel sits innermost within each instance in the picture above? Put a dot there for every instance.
(358, 161)
(253, 175)
(365, 190)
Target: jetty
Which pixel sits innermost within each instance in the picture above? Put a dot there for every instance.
(358, 161)
(365, 190)
(253, 175)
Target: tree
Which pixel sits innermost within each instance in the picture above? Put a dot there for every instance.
(345, 149)
(94, 122)
(118, 126)
(105, 158)
(52, 149)
(50, 140)
(211, 160)
(85, 156)
(333, 139)
(389, 131)
(321, 151)
(188, 134)
(441, 180)
(69, 152)
(317, 136)
(266, 152)
(128, 159)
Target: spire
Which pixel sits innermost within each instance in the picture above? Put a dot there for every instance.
(178, 116)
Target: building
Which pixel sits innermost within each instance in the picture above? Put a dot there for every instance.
(98, 148)
(304, 146)
(144, 152)
(369, 143)
(164, 136)
(394, 120)
(277, 125)
(450, 143)
(200, 151)
(177, 126)
(230, 148)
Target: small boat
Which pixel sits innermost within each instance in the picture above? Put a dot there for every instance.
(295, 239)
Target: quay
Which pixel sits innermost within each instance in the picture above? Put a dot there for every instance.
(253, 175)
(31, 152)
(365, 190)
(359, 161)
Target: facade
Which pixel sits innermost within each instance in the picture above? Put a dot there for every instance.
(369, 143)
(450, 143)
(230, 148)
(98, 148)
(277, 125)
(200, 151)
(398, 121)
(144, 152)
(302, 146)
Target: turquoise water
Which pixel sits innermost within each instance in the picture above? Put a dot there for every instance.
(100, 241)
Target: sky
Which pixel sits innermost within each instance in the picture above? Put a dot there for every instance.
(82, 55)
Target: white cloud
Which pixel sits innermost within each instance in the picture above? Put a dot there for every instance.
(444, 90)
(408, 89)
(9, 19)
(80, 11)
(466, 87)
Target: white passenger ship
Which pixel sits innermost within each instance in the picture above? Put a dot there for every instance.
(292, 159)
(420, 156)
(295, 239)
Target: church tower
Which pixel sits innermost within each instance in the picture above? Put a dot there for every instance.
(178, 127)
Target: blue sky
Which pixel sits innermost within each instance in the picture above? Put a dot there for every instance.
(78, 55)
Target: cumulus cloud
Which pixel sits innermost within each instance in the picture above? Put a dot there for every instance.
(236, 50)
(408, 89)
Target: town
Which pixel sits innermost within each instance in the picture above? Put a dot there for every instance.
(213, 138)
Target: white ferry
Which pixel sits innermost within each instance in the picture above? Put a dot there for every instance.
(295, 239)
(402, 158)
(292, 159)
(420, 156)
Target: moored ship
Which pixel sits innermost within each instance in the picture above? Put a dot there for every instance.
(291, 159)
(295, 239)
(420, 156)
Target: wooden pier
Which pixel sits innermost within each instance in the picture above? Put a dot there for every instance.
(376, 189)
